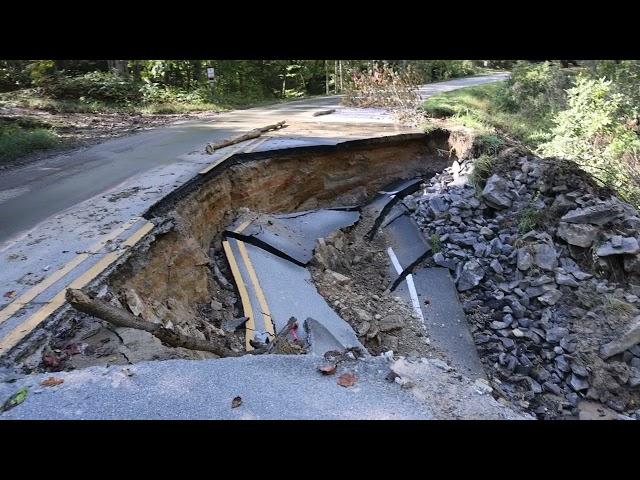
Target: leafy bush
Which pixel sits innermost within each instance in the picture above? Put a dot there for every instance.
(438, 70)
(13, 75)
(101, 86)
(534, 89)
(595, 131)
(489, 144)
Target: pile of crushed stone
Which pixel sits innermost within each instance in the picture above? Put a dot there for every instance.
(547, 266)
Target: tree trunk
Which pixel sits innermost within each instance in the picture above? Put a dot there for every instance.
(119, 67)
(212, 147)
(121, 318)
(326, 76)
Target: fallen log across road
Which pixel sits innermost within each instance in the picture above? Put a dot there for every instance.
(255, 133)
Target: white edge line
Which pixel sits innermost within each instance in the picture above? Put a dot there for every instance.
(409, 278)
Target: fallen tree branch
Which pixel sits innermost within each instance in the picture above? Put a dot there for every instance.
(121, 318)
(324, 112)
(212, 147)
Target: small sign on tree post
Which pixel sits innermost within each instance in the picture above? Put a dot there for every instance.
(211, 75)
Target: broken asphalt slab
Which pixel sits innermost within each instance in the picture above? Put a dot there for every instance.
(444, 319)
(277, 290)
(294, 235)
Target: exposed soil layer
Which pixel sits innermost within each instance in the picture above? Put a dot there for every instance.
(178, 276)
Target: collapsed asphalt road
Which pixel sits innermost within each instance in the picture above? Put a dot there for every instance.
(267, 262)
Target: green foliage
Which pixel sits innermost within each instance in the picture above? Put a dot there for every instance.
(100, 86)
(481, 171)
(593, 131)
(530, 219)
(438, 70)
(17, 140)
(535, 89)
(436, 243)
(13, 75)
(489, 144)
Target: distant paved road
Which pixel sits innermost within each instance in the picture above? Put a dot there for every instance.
(31, 194)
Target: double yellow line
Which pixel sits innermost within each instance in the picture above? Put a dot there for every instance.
(19, 332)
(242, 289)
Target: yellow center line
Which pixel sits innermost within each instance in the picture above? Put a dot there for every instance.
(266, 313)
(243, 226)
(8, 311)
(250, 326)
(19, 332)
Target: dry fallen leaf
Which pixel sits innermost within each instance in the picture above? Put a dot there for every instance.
(328, 369)
(51, 382)
(10, 294)
(236, 402)
(347, 379)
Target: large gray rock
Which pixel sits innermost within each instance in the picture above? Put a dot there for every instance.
(597, 215)
(471, 275)
(581, 235)
(544, 256)
(525, 259)
(550, 297)
(496, 192)
(630, 338)
(618, 246)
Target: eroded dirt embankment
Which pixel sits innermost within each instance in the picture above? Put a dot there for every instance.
(174, 278)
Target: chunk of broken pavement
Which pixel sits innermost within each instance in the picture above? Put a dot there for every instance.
(630, 338)
(496, 192)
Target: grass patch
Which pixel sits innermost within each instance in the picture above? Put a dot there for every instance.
(16, 141)
(481, 171)
(436, 243)
(489, 143)
(530, 219)
(478, 108)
